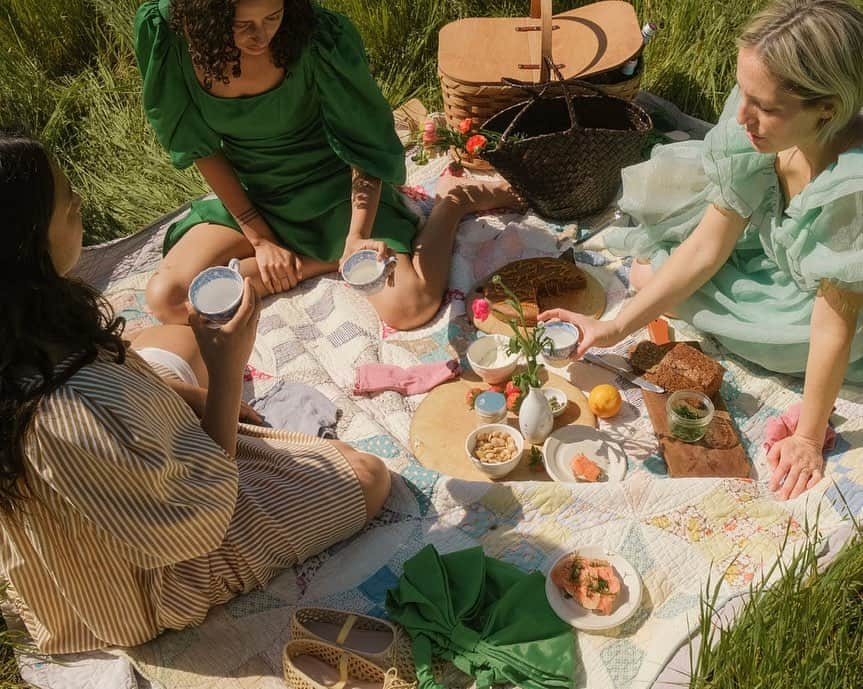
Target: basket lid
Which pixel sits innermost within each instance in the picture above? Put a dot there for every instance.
(585, 41)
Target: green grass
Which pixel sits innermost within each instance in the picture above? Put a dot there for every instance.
(804, 631)
(67, 74)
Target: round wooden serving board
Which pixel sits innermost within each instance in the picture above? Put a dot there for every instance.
(590, 301)
(443, 421)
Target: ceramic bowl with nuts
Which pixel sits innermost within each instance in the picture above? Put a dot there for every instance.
(494, 448)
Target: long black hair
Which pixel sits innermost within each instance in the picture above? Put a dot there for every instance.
(209, 27)
(41, 312)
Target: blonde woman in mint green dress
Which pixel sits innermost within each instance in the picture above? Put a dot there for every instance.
(756, 235)
(273, 101)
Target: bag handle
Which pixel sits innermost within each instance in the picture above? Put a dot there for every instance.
(538, 94)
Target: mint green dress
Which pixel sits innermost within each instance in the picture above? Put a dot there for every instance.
(760, 302)
(292, 147)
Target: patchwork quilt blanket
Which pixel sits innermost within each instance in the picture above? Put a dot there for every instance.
(677, 533)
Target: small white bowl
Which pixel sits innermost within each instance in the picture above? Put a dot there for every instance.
(500, 469)
(485, 349)
(559, 396)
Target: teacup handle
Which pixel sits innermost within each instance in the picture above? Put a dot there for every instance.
(234, 264)
(390, 261)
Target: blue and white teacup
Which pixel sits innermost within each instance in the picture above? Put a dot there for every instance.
(216, 293)
(365, 272)
(564, 341)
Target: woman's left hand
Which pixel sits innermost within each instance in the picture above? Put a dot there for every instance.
(797, 465)
(352, 245)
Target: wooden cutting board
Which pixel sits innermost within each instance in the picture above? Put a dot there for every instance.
(443, 420)
(718, 453)
(590, 301)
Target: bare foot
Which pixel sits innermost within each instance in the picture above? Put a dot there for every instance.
(473, 195)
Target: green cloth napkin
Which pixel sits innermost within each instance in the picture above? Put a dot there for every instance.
(488, 617)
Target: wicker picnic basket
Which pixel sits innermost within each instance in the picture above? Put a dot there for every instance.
(475, 54)
(564, 154)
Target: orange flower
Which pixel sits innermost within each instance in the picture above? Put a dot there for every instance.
(466, 125)
(476, 144)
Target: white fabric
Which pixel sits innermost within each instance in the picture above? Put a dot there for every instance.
(177, 364)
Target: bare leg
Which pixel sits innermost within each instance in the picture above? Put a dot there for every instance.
(421, 280)
(640, 274)
(178, 339)
(372, 473)
(202, 246)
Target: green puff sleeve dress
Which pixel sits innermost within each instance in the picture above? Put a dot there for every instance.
(488, 617)
(760, 302)
(292, 147)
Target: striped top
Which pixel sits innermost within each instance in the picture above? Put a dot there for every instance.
(138, 521)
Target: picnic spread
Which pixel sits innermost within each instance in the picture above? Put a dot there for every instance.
(601, 493)
(675, 532)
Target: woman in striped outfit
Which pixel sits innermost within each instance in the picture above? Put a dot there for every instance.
(122, 512)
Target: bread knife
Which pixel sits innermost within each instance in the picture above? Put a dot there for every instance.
(625, 373)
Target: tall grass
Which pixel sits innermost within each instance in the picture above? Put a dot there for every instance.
(67, 74)
(804, 631)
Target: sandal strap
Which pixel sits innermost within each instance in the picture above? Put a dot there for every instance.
(345, 630)
(343, 672)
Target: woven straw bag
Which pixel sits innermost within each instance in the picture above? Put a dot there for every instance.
(564, 154)
(475, 54)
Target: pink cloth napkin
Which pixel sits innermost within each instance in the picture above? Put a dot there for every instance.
(779, 427)
(406, 381)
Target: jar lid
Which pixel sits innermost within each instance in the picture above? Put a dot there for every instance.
(490, 402)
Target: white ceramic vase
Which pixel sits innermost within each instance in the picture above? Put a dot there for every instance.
(535, 419)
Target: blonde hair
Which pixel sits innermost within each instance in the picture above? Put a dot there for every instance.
(814, 48)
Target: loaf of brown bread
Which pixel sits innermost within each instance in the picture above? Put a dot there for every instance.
(681, 367)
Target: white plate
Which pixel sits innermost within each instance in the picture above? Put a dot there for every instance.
(562, 445)
(628, 600)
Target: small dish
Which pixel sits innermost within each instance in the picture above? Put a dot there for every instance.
(564, 340)
(489, 360)
(565, 443)
(556, 400)
(494, 469)
(690, 414)
(629, 598)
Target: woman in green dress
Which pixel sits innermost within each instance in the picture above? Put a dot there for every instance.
(756, 234)
(273, 101)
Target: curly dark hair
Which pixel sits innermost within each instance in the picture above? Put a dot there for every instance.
(41, 311)
(208, 27)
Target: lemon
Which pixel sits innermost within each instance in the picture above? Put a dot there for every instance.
(605, 401)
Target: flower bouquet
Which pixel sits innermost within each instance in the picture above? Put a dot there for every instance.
(466, 142)
(534, 414)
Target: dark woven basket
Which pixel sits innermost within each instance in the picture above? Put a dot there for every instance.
(564, 154)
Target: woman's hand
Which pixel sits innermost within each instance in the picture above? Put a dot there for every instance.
(225, 350)
(797, 465)
(353, 244)
(280, 268)
(594, 333)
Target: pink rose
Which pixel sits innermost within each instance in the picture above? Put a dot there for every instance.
(429, 132)
(481, 309)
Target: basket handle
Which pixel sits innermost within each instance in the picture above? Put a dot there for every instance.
(538, 92)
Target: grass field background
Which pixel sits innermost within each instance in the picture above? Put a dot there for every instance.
(68, 76)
